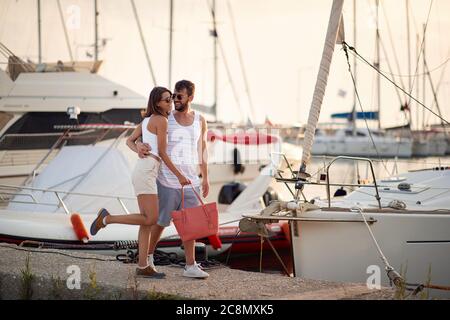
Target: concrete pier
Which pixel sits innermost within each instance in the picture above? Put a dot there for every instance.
(27, 273)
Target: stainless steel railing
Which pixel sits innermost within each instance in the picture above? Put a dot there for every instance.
(58, 194)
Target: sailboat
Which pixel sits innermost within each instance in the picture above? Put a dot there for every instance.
(356, 238)
(351, 140)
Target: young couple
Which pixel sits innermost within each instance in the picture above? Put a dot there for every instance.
(167, 161)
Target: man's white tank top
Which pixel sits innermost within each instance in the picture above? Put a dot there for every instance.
(150, 138)
(184, 149)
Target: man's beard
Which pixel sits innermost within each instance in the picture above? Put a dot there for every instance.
(181, 107)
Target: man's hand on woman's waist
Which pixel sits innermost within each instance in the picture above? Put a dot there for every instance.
(143, 149)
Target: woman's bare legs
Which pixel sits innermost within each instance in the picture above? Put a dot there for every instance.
(143, 236)
(148, 204)
(134, 218)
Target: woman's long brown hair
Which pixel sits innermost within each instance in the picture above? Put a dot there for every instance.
(153, 99)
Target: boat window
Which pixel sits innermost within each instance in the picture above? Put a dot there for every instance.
(43, 122)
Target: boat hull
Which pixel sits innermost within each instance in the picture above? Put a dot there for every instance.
(416, 244)
(356, 146)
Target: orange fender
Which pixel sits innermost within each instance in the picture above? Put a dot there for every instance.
(78, 227)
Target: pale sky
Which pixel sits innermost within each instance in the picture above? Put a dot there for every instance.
(281, 43)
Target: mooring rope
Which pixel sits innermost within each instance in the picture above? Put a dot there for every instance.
(392, 274)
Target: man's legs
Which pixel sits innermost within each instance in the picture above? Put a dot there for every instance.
(169, 200)
(192, 268)
(189, 251)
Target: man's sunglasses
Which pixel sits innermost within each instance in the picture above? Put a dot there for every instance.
(177, 96)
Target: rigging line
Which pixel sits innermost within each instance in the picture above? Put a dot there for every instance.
(439, 85)
(397, 92)
(66, 36)
(419, 74)
(5, 14)
(392, 43)
(143, 42)
(420, 53)
(241, 61)
(401, 89)
(222, 52)
(435, 196)
(390, 69)
(433, 90)
(395, 277)
(360, 105)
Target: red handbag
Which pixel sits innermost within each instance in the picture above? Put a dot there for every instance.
(197, 222)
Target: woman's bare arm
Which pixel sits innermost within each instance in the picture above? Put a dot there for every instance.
(131, 140)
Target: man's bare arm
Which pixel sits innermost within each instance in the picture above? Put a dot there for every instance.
(204, 158)
(134, 142)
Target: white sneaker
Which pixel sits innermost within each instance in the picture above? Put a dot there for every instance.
(193, 271)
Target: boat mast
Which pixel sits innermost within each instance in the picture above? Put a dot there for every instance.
(424, 77)
(321, 82)
(417, 86)
(96, 31)
(39, 31)
(66, 36)
(170, 42)
(214, 34)
(408, 37)
(377, 63)
(141, 34)
(409, 44)
(354, 69)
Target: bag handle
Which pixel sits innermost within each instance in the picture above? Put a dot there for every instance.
(193, 189)
(208, 218)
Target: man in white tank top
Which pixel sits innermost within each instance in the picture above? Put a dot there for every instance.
(187, 148)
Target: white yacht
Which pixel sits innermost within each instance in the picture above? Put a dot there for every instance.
(345, 141)
(429, 143)
(35, 98)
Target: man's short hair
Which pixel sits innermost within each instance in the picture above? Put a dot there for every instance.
(185, 84)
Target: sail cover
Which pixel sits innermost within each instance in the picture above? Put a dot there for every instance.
(322, 78)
